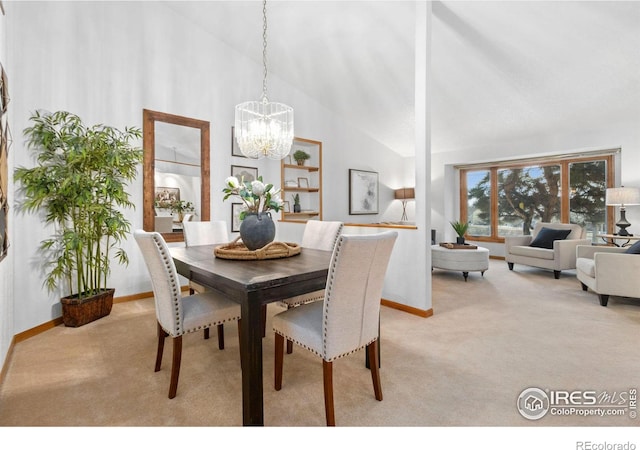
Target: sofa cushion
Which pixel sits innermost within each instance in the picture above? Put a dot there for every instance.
(634, 249)
(532, 252)
(546, 236)
(587, 266)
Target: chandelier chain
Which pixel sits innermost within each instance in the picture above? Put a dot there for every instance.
(264, 129)
(264, 51)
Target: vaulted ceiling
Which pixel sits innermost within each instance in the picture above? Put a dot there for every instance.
(500, 70)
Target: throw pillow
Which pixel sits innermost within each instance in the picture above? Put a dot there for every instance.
(546, 236)
(634, 249)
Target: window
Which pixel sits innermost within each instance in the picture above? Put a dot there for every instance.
(506, 199)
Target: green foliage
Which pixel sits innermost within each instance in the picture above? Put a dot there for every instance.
(79, 183)
(296, 199)
(299, 155)
(460, 227)
(175, 206)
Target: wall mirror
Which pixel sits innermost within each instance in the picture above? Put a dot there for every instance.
(176, 172)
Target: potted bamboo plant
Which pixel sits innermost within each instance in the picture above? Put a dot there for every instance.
(79, 182)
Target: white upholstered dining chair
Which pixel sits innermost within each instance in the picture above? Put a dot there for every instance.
(348, 317)
(318, 235)
(205, 233)
(177, 316)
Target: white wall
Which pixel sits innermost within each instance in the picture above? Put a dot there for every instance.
(106, 62)
(606, 134)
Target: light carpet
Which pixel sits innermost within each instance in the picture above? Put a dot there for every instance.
(489, 339)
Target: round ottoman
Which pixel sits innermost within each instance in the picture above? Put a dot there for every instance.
(462, 260)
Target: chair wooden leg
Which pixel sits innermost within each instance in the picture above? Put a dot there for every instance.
(279, 357)
(221, 336)
(161, 336)
(584, 286)
(289, 343)
(175, 366)
(372, 351)
(206, 333)
(191, 291)
(556, 274)
(327, 375)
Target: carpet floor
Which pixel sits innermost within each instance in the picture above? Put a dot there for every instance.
(489, 339)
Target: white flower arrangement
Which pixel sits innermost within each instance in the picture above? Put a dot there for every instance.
(255, 195)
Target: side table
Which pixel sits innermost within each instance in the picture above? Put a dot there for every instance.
(611, 239)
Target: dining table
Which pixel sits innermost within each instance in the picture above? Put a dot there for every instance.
(253, 283)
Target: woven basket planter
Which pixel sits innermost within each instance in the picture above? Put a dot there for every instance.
(77, 312)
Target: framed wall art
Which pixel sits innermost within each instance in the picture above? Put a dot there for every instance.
(235, 148)
(166, 195)
(244, 173)
(236, 209)
(363, 192)
(5, 141)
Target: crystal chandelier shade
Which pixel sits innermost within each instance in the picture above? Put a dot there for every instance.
(264, 129)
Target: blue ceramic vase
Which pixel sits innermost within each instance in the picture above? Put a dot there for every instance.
(257, 230)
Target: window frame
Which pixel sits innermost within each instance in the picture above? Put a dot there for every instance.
(562, 160)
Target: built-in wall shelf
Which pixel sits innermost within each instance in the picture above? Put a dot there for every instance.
(304, 180)
(296, 166)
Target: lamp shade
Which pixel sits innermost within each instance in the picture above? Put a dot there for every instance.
(622, 196)
(405, 194)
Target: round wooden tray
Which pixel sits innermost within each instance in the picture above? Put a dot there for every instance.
(237, 250)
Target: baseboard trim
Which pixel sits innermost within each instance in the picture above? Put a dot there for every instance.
(7, 360)
(408, 309)
(133, 297)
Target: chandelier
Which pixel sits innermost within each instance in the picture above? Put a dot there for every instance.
(263, 128)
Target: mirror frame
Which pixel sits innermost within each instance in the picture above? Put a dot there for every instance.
(149, 119)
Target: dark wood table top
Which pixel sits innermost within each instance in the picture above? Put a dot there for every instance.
(275, 278)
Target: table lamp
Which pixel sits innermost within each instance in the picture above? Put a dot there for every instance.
(623, 197)
(404, 194)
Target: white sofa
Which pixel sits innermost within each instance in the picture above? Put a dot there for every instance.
(561, 257)
(608, 271)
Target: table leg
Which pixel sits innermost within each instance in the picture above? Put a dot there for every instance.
(251, 355)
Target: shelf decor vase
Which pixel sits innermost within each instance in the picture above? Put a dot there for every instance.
(257, 230)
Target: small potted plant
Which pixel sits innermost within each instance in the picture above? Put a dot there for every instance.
(301, 157)
(180, 207)
(296, 203)
(460, 229)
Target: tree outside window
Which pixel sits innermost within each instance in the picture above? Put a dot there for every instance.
(524, 195)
